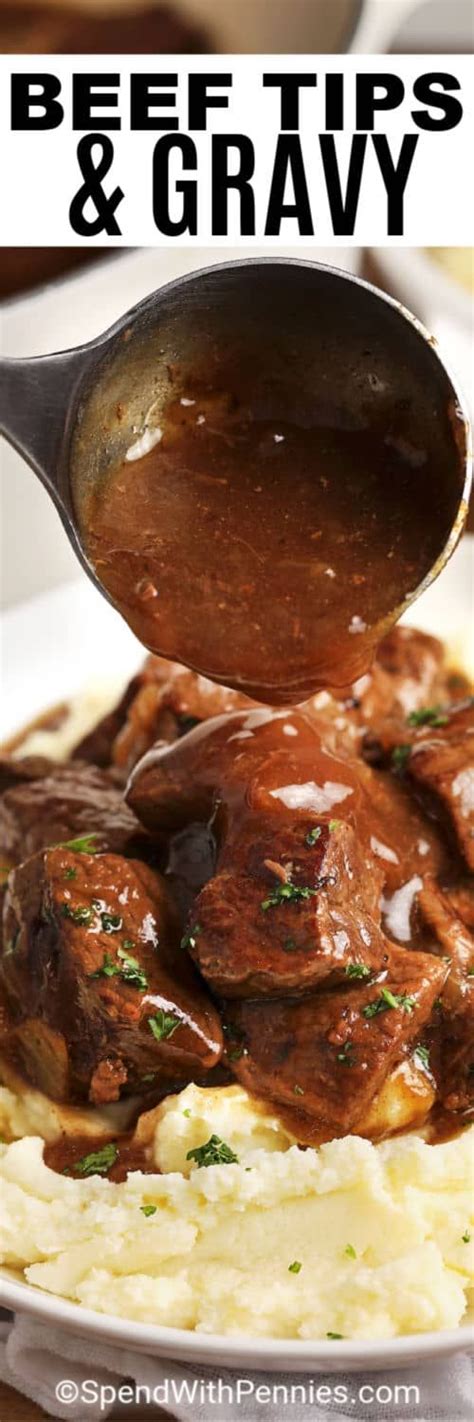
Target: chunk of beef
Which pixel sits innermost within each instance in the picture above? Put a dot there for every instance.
(449, 929)
(287, 909)
(327, 1055)
(442, 762)
(409, 672)
(95, 979)
(70, 801)
(161, 703)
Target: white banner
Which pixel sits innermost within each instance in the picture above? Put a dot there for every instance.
(153, 150)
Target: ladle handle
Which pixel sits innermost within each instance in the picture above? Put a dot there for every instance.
(36, 398)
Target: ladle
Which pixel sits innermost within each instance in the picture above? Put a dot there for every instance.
(350, 355)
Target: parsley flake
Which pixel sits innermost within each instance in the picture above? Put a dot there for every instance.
(334, 1335)
(214, 1152)
(163, 1024)
(148, 1210)
(350, 1251)
(386, 1000)
(466, 1237)
(357, 970)
(313, 835)
(295, 1267)
(334, 824)
(111, 922)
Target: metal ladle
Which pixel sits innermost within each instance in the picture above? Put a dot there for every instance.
(73, 415)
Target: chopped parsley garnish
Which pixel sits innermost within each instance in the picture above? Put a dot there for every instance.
(423, 1055)
(187, 1112)
(189, 938)
(163, 1024)
(70, 874)
(470, 972)
(131, 972)
(345, 1056)
(334, 824)
(466, 1237)
(289, 946)
(334, 1335)
(214, 1152)
(79, 915)
(400, 757)
(85, 844)
(298, 1091)
(313, 835)
(284, 893)
(350, 1251)
(110, 922)
(128, 969)
(148, 1210)
(295, 1267)
(98, 1162)
(389, 999)
(427, 716)
(237, 1052)
(357, 970)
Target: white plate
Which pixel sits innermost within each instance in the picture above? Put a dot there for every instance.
(52, 646)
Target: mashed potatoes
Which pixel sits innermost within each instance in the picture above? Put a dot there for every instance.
(351, 1239)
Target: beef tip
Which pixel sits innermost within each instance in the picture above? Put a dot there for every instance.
(434, 750)
(94, 975)
(259, 761)
(163, 702)
(442, 763)
(15, 770)
(71, 801)
(451, 932)
(408, 673)
(287, 909)
(327, 1055)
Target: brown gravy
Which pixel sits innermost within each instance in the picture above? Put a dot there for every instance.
(265, 540)
(64, 1155)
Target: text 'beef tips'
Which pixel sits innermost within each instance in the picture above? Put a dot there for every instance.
(329, 1054)
(161, 703)
(102, 999)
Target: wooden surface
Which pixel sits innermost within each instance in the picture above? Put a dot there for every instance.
(14, 1408)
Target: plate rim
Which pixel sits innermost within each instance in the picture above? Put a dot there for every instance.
(260, 1354)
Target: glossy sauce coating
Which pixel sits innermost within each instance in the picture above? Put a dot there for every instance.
(264, 539)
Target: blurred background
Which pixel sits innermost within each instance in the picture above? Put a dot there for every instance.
(51, 297)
